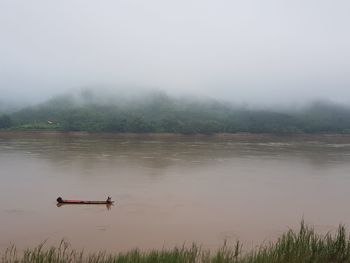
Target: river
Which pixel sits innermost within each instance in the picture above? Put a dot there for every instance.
(169, 190)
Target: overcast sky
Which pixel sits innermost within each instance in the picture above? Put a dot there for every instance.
(253, 51)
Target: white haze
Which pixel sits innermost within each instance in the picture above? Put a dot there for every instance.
(265, 53)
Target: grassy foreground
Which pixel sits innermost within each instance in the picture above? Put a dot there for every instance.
(302, 246)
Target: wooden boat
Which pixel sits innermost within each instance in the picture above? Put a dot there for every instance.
(82, 202)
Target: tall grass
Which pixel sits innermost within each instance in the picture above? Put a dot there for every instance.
(292, 247)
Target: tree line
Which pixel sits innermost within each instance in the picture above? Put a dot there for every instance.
(162, 114)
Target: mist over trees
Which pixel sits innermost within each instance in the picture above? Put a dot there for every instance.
(5, 121)
(159, 113)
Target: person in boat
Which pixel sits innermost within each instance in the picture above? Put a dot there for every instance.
(60, 200)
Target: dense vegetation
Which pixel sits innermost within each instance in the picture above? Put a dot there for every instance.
(292, 247)
(159, 113)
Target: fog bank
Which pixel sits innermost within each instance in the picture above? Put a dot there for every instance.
(261, 53)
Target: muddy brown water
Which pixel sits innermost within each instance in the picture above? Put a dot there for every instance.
(169, 190)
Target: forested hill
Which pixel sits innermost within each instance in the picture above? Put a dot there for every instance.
(159, 113)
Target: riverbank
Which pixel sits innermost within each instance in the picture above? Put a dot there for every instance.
(251, 137)
(304, 245)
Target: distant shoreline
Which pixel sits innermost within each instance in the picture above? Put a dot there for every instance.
(233, 136)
